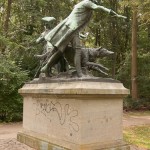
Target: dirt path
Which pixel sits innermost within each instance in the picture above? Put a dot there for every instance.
(132, 120)
(8, 132)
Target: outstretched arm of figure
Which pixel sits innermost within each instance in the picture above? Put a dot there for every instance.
(103, 8)
(93, 6)
(110, 11)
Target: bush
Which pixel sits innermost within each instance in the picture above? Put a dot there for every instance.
(140, 104)
(143, 80)
(11, 79)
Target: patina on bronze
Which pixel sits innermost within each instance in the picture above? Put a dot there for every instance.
(68, 32)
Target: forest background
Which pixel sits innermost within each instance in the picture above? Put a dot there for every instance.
(21, 25)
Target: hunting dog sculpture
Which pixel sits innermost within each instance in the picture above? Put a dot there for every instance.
(88, 56)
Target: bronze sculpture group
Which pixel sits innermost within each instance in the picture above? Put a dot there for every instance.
(63, 42)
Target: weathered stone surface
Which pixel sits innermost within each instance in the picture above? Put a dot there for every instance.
(40, 144)
(78, 87)
(75, 115)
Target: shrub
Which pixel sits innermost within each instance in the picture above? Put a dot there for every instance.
(140, 104)
(11, 79)
(143, 80)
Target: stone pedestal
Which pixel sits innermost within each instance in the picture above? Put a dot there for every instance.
(73, 115)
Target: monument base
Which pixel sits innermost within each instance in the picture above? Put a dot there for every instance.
(38, 142)
(73, 115)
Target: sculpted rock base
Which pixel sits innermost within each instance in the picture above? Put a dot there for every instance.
(73, 115)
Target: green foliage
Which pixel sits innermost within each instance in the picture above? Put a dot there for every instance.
(143, 8)
(143, 80)
(18, 47)
(124, 71)
(144, 75)
(17, 44)
(11, 79)
(141, 104)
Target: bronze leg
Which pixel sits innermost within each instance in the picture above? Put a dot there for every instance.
(77, 59)
(52, 61)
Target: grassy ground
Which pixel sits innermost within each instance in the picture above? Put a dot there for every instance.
(139, 136)
(138, 113)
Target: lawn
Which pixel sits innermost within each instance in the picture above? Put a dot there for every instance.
(139, 136)
(138, 113)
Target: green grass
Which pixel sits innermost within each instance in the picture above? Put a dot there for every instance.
(138, 113)
(139, 136)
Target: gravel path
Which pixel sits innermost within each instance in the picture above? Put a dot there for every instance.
(8, 132)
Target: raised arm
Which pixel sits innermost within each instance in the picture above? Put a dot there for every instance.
(103, 8)
(94, 6)
(111, 12)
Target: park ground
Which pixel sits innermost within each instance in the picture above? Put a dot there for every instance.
(136, 127)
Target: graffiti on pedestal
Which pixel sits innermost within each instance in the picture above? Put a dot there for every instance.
(55, 110)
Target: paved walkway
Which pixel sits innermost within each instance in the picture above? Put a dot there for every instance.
(8, 132)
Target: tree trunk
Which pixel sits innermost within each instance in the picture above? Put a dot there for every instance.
(97, 37)
(134, 90)
(148, 46)
(6, 25)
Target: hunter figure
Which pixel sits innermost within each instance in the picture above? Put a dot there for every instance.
(68, 31)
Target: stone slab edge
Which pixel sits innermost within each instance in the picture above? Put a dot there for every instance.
(76, 88)
(40, 144)
(37, 143)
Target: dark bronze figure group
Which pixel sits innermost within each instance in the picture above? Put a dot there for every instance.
(63, 47)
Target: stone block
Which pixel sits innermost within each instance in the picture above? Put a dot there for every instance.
(75, 115)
